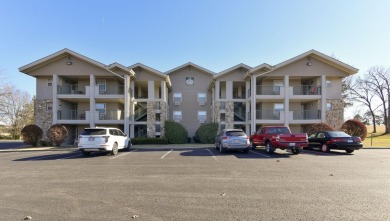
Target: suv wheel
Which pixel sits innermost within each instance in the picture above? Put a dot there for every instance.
(221, 149)
(114, 150)
(349, 150)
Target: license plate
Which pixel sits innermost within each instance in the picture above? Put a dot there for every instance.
(237, 141)
(292, 144)
(91, 139)
(350, 141)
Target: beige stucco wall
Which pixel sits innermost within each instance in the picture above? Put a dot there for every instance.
(335, 89)
(190, 105)
(43, 91)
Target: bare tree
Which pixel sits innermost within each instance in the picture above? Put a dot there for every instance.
(379, 82)
(360, 91)
(16, 109)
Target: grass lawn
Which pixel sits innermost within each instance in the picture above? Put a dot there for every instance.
(377, 139)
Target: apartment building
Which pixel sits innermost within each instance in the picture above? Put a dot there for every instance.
(79, 92)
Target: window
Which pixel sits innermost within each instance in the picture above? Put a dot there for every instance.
(49, 82)
(279, 107)
(177, 98)
(177, 116)
(101, 108)
(328, 83)
(202, 115)
(277, 86)
(202, 98)
(158, 117)
(49, 106)
(102, 86)
(328, 106)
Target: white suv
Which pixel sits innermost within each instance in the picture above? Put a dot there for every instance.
(104, 139)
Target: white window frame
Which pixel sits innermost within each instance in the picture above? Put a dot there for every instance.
(202, 116)
(200, 96)
(177, 98)
(50, 82)
(279, 104)
(277, 83)
(328, 83)
(102, 111)
(49, 106)
(328, 106)
(102, 85)
(177, 116)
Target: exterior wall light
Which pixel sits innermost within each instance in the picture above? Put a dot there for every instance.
(69, 61)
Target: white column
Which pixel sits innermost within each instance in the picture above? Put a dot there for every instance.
(55, 99)
(163, 91)
(92, 106)
(253, 104)
(229, 90)
(217, 90)
(286, 101)
(127, 105)
(150, 90)
(323, 99)
(131, 108)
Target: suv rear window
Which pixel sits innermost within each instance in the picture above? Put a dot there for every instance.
(235, 133)
(94, 132)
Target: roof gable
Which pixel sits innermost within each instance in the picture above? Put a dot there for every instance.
(190, 64)
(229, 70)
(153, 71)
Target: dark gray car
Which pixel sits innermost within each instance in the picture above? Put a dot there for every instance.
(232, 139)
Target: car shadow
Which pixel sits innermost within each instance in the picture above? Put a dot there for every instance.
(331, 153)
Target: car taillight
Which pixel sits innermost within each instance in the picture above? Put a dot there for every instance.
(333, 140)
(106, 137)
(357, 139)
(247, 137)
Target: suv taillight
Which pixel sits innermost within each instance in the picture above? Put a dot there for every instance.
(106, 137)
(224, 138)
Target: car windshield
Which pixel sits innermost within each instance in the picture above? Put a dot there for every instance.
(235, 133)
(338, 134)
(94, 132)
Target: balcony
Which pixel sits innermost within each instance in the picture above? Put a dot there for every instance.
(109, 91)
(269, 116)
(305, 92)
(73, 117)
(269, 92)
(305, 116)
(110, 117)
(72, 91)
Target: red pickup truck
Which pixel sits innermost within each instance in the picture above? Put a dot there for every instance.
(273, 137)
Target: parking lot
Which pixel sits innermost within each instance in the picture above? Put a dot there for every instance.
(194, 182)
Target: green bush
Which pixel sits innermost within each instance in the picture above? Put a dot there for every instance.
(319, 127)
(354, 128)
(31, 134)
(57, 134)
(149, 140)
(206, 133)
(175, 133)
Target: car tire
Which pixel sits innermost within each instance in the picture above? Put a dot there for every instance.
(114, 150)
(296, 151)
(128, 146)
(269, 148)
(85, 153)
(253, 146)
(246, 150)
(221, 149)
(349, 150)
(325, 148)
(216, 146)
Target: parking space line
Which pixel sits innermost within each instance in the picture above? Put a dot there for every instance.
(259, 154)
(122, 154)
(166, 154)
(215, 158)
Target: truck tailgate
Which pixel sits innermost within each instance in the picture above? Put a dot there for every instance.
(293, 138)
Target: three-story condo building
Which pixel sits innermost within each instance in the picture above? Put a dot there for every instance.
(79, 92)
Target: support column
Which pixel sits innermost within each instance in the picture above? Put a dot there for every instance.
(131, 108)
(286, 101)
(150, 90)
(127, 105)
(92, 106)
(253, 104)
(55, 99)
(323, 99)
(229, 90)
(217, 90)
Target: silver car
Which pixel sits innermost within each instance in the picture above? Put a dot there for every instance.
(232, 139)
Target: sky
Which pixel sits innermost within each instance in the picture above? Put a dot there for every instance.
(215, 34)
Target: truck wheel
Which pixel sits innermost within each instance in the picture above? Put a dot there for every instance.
(349, 150)
(221, 149)
(269, 148)
(325, 148)
(296, 151)
(114, 150)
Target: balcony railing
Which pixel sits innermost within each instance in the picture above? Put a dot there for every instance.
(110, 89)
(268, 114)
(71, 115)
(112, 115)
(71, 89)
(268, 90)
(307, 114)
(307, 90)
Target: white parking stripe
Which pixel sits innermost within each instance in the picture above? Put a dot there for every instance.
(122, 154)
(259, 154)
(215, 158)
(166, 154)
